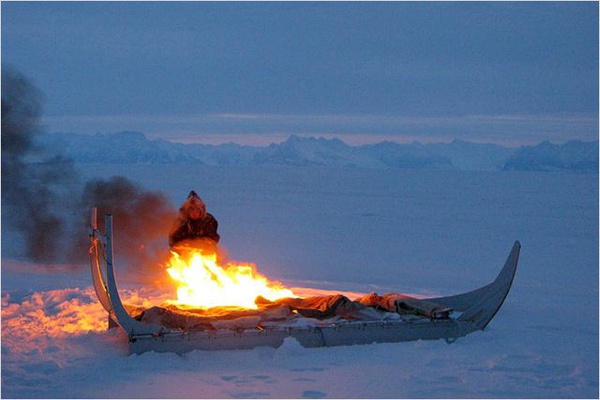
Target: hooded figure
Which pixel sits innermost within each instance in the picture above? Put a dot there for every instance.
(193, 222)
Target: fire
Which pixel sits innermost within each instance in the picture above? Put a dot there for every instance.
(203, 283)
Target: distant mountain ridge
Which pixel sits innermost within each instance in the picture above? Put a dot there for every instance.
(134, 147)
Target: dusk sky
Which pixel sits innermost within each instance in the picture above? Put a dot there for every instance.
(256, 72)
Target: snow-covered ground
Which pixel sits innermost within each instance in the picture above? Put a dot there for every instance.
(423, 232)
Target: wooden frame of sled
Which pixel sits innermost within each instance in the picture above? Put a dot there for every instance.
(472, 311)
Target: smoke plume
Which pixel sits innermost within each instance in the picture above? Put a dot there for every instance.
(31, 179)
(46, 207)
(141, 218)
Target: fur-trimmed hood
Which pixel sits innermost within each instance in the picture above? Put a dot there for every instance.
(193, 202)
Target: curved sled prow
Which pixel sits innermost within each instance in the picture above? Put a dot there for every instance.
(106, 289)
(481, 305)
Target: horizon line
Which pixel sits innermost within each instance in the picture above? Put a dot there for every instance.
(264, 140)
(260, 129)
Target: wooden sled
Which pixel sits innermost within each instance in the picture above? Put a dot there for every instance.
(471, 311)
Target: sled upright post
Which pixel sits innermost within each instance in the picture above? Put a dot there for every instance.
(103, 274)
(94, 218)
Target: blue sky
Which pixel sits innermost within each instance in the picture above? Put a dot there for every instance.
(256, 72)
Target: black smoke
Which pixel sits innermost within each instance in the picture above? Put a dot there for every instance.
(141, 218)
(45, 205)
(31, 178)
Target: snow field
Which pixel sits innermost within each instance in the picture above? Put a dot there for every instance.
(422, 232)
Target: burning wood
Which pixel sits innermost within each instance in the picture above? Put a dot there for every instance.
(203, 282)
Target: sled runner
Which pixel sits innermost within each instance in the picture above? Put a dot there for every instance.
(406, 318)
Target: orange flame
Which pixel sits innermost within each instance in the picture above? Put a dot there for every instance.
(203, 283)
